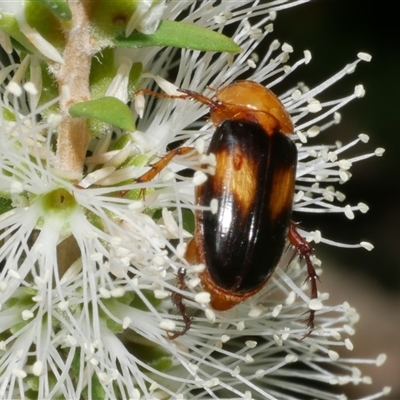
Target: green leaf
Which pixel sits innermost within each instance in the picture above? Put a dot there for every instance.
(5, 205)
(188, 220)
(103, 71)
(97, 392)
(8, 115)
(138, 303)
(107, 109)
(182, 35)
(113, 326)
(59, 8)
(153, 356)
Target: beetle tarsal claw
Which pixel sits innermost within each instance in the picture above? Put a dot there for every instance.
(309, 324)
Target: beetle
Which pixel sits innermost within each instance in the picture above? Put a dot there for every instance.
(242, 240)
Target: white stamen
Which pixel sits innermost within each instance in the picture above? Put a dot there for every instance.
(19, 373)
(63, 305)
(126, 322)
(359, 91)
(37, 368)
(333, 355)
(348, 212)
(368, 246)
(313, 131)
(214, 206)
(199, 178)
(202, 298)
(251, 344)
(314, 106)
(274, 45)
(315, 305)
(349, 345)
(251, 64)
(296, 95)
(287, 48)
(286, 333)
(290, 358)
(225, 338)
(95, 176)
(200, 145)
(248, 359)
(291, 298)
(139, 103)
(276, 311)
(256, 311)
(160, 294)
(381, 360)
(364, 56)
(27, 314)
(192, 283)
(240, 326)
(363, 207)
(349, 330)
(272, 15)
(307, 56)
(30, 88)
(269, 28)
(117, 292)
(210, 315)
(167, 325)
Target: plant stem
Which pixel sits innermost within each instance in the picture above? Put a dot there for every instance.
(73, 134)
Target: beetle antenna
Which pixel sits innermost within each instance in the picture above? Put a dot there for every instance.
(201, 98)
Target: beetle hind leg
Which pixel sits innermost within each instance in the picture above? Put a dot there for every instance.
(304, 250)
(177, 300)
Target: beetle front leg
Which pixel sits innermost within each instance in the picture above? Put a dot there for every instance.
(304, 251)
(158, 166)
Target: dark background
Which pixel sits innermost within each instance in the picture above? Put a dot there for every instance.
(335, 31)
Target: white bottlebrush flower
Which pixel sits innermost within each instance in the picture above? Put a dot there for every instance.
(88, 267)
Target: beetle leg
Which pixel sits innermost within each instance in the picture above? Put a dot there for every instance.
(177, 300)
(304, 251)
(157, 167)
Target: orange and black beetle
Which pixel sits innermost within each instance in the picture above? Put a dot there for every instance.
(241, 243)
